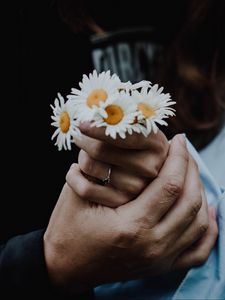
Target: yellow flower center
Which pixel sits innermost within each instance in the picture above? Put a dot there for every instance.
(64, 122)
(96, 96)
(146, 110)
(115, 114)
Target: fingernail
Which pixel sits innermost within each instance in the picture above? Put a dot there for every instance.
(85, 126)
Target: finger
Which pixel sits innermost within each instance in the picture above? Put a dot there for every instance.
(119, 178)
(199, 253)
(163, 192)
(187, 207)
(93, 167)
(144, 163)
(90, 191)
(134, 141)
(74, 203)
(194, 231)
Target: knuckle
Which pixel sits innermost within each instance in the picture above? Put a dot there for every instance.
(70, 175)
(120, 200)
(157, 251)
(132, 189)
(149, 170)
(203, 227)
(158, 245)
(172, 187)
(85, 190)
(125, 235)
(136, 187)
(201, 257)
(195, 206)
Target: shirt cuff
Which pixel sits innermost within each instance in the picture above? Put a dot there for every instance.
(23, 270)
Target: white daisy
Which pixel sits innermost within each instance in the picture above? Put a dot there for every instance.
(64, 120)
(138, 128)
(153, 106)
(94, 90)
(117, 116)
(128, 86)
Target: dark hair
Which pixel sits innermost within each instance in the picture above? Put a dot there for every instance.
(192, 68)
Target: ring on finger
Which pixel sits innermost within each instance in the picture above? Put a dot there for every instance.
(107, 179)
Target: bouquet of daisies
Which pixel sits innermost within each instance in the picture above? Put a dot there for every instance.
(121, 107)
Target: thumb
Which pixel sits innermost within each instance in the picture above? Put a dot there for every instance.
(162, 192)
(68, 204)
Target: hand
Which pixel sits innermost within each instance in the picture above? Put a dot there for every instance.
(134, 162)
(193, 255)
(87, 244)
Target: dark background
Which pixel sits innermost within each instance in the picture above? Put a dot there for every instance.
(43, 57)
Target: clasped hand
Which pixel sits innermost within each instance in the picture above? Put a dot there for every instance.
(152, 218)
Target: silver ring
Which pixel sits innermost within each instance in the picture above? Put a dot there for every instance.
(107, 180)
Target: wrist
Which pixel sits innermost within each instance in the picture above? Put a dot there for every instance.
(63, 274)
(52, 260)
